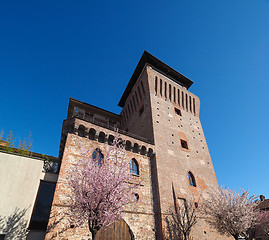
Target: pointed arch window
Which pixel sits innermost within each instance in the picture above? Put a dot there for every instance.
(192, 181)
(133, 167)
(98, 156)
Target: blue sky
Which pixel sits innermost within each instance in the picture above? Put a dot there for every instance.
(53, 50)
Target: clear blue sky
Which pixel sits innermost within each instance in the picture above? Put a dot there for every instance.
(53, 50)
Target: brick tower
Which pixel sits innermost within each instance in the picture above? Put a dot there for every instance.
(161, 130)
(168, 115)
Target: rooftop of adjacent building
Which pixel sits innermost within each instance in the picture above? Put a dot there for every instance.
(264, 203)
(51, 164)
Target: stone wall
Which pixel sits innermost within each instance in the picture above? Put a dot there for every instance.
(139, 216)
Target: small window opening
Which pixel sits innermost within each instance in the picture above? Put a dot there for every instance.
(143, 89)
(178, 97)
(136, 196)
(186, 101)
(165, 90)
(170, 92)
(92, 133)
(128, 145)
(184, 144)
(194, 106)
(98, 156)
(128, 108)
(161, 87)
(156, 85)
(182, 98)
(101, 137)
(134, 103)
(139, 92)
(190, 103)
(136, 97)
(81, 131)
(110, 139)
(196, 204)
(178, 112)
(141, 110)
(136, 148)
(133, 167)
(174, 94)
(131, 104)
(143, 150)
(191, 180)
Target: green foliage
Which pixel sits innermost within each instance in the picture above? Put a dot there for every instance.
(8, 144)
(26, 145)
(1, 135)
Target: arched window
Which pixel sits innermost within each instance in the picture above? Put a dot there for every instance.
(128, 145)
(133, 167)
(98, 156)
(191, 179)
(92, 133)
(101, 137)
(81, 131)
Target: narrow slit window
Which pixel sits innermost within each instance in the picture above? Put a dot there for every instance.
(122, 120)
(170, 92)
(190, 104)
(178, 97)
(186, 101)
(174, 94)
(139, 92)
(134, 103)
(161, 87)
(191, 178)
(136, 97)
(127, 116)
(194, 106)
(141, 110)
(129, 112)
(184, 144)
(182, 98)
(131, 104)
(165, 89)
(143, 89)
(156, 85)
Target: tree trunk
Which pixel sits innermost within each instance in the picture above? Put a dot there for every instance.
(94, 232)
(236, 237)
(186, 236)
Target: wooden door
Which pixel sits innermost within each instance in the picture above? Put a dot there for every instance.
(116, 231)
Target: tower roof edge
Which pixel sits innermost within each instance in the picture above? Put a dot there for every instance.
(147, 58)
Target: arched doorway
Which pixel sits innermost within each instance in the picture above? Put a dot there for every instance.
(116, 231)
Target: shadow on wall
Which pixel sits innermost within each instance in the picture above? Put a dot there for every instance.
(57, 226)
(180, 219)
(14, 226)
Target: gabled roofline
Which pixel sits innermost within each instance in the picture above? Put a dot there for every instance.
(160, 66)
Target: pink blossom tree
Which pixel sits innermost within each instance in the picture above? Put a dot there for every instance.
(229, 212)
(101, 185)
(261, 228)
